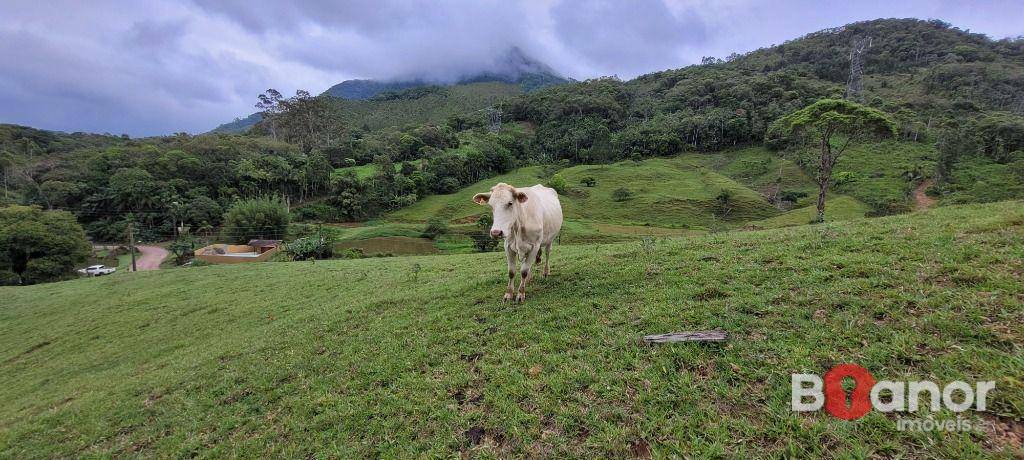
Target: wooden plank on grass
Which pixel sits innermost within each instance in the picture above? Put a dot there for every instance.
(688, 336)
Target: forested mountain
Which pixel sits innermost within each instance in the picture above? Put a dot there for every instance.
(958, 99)
(514, 72)
(513, 67)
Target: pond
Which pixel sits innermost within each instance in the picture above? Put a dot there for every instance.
(395, 245)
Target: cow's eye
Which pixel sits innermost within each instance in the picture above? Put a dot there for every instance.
(509, 204)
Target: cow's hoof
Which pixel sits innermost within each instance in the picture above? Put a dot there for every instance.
(546, 273)
(507, 297)
(521, 297)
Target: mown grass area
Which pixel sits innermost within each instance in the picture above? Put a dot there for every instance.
(416, 356)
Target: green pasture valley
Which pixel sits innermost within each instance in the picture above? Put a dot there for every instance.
(410, 356)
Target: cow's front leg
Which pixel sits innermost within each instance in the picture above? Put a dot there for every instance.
(531, 256)
(511, 256)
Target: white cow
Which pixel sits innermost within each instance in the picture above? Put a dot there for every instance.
(529, 219)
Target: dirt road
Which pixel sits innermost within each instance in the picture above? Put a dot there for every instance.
(921, 199)
(150, 258)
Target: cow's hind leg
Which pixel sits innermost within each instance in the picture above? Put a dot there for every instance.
(547, 259)
(540, 255)
(511, 257)
(526, 273)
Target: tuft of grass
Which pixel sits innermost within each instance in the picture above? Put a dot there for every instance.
(416, 356)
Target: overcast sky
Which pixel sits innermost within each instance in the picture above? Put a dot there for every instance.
(147, 67)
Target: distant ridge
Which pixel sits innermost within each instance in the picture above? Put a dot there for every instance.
(514, 68)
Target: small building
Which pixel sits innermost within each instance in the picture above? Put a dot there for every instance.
(255, 251)
(262, 246)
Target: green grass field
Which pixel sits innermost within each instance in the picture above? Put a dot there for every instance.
(416, 356)
(666, 192)
(678, 195)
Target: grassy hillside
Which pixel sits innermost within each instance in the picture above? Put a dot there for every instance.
(665, 192)
(390, 357)
(680, 192)
(838, 208)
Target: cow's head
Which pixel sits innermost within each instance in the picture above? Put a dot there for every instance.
(503, 200)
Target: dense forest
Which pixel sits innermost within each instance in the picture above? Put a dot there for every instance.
(335, 159)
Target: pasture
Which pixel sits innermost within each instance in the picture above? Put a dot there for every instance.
(416, 356)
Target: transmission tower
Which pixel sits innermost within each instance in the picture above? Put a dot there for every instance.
(855, 84)
(495, 116)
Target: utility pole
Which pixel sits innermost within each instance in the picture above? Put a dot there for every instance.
(854, 85)
(131, 243)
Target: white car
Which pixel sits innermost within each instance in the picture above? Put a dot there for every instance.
(97, 270)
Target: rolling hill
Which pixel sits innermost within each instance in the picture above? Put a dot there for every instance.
(405, 356)
(682, 191)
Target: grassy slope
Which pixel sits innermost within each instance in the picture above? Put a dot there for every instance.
(668, 192)
(837, 208)
(402, 355)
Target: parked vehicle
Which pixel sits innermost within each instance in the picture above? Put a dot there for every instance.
(97, 270)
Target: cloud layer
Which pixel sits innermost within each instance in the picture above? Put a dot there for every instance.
(160, 66)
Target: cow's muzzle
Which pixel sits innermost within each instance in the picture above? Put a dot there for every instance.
(496, 233)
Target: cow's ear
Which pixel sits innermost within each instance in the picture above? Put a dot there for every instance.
(521, 197)
(481, 198)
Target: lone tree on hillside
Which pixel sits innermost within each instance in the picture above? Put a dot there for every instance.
(834, 124)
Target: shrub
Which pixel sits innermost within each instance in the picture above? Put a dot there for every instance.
(256, 218)
(558, 183)
(436, 226)
(622, 194)
(588, 181)
(352, 253)
(182, 248)
(310, 247)
(724, 202)
(792, 196)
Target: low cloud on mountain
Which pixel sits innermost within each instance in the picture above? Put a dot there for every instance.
(160, 66)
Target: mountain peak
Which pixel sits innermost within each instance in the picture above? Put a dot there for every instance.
(513, 66)
(516, 63)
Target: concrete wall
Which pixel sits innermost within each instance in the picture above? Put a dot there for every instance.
(233, 248)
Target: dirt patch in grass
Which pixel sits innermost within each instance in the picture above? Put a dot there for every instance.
(1004, 433)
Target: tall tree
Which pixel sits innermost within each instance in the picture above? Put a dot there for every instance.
(269, 104)
(39, 246)
(834, 124)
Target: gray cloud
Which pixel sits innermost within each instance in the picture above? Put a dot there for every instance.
(160, 66)
(627, 37)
